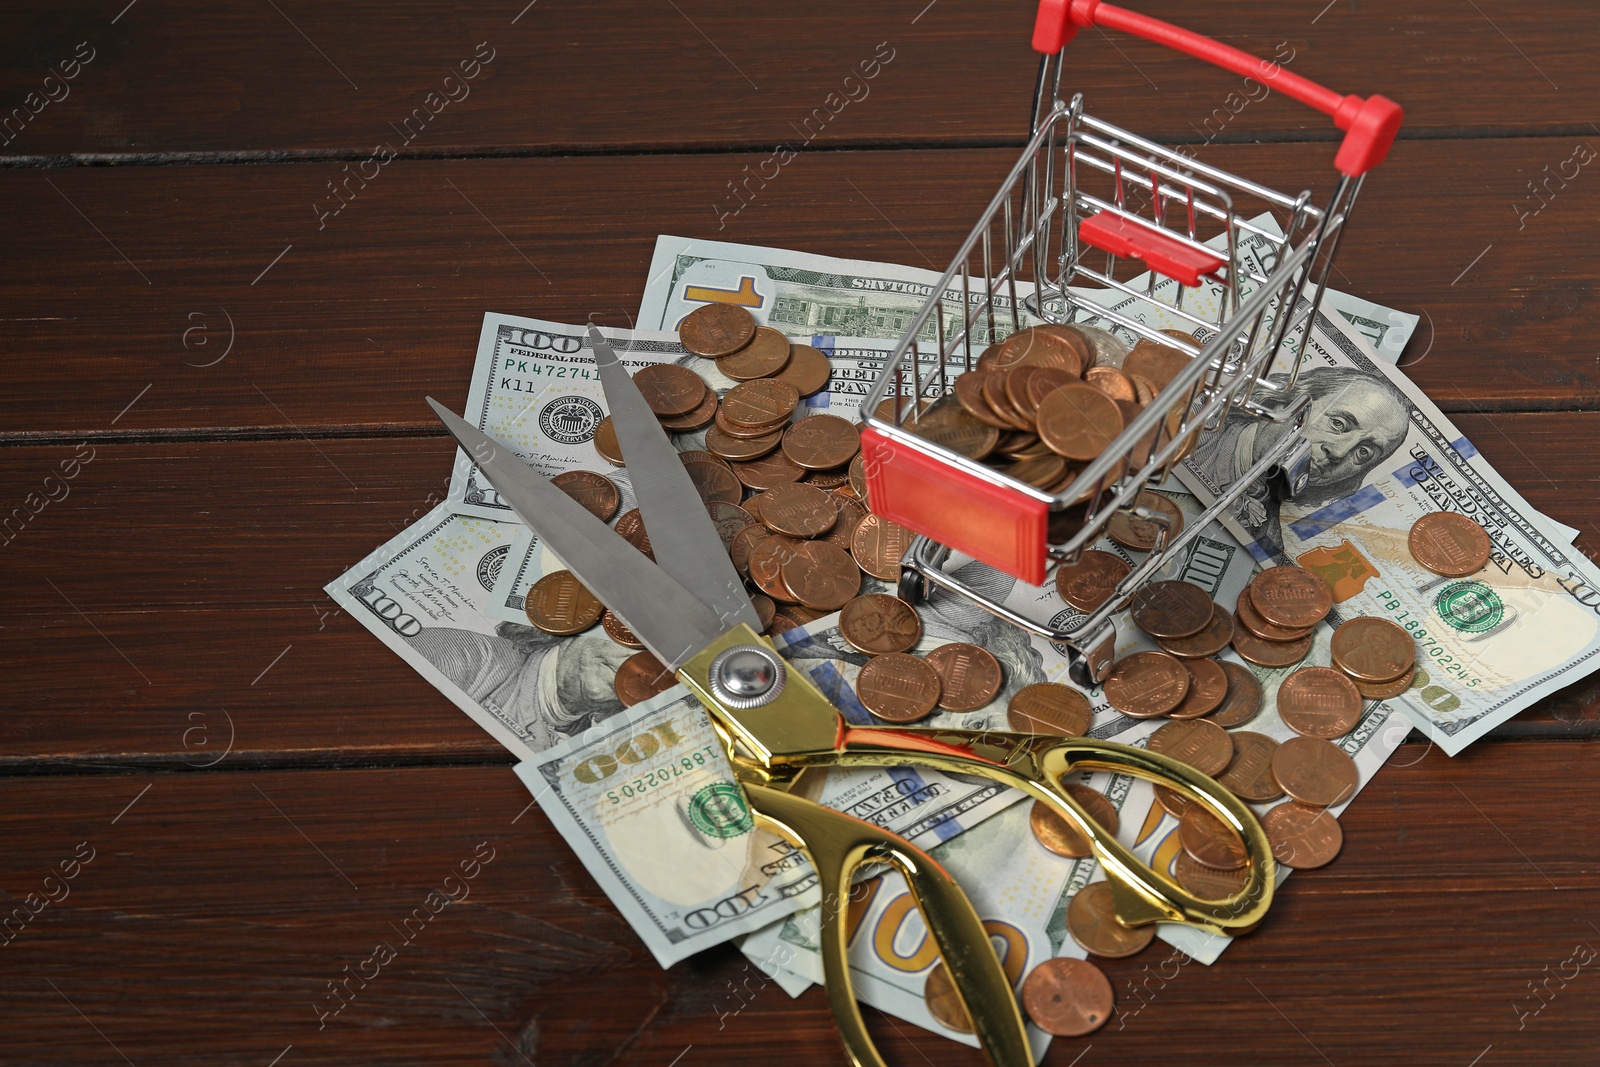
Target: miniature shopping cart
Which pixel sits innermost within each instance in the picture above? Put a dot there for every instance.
(1090, 206)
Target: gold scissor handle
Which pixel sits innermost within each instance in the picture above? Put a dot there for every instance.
(837, 846)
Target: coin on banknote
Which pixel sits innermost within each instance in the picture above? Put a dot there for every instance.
(821, 575)
(1171, 609)
(1057, 833)
(1130, 531)
(1208, 687)
(969, 676)
(1373, 650)
(808, 370)
(1315, 772)
(1243, 701)
(767, 471)
(597, 493)
(1302, 836)
(1270, 653)
(670, 389)
(765, 564)
(1092, 921)
(714, 480)
(1208, 883)
(1449, 543)
(798, 510)
(1090, 582)
(605, 442)
(858, 476)
(1385, 690)
(641, 677)
(696, 419)
(821, 442)
(1173, 801)
(1078, 421)
(1319, 702)
(714, 330)
(878, 546)
(630, 527)
(1203, 745)
(559, 604)
(1247, 616)
(1146, 684)
(766, 354)
(1290, 596)
(1049, 708)
(944, 1004)
(877, 623)
(1249, 776)
(1210, 639)
(1211, 841)
(1067, 997)
(761, 403)
(898, 688)
(618, 631)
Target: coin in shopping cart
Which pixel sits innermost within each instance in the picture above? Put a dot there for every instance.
(1290, 596)
(1146, 684)
(798, 510)
(1448, 543)
(1160, 363)
(597, 493)
(1208, 687)
(1211, 841)
(1044, 381)
(765, 355)
(630, 527)
(1067, 997)
(898, 687)
(952, 428)
(821, 442)
(1079, 421)
(1018, 381)
(1107, 348)
(641, 677)
(1385, 690)
(605, 442)
(969, 394)
(1262, 653)
(808, 370)
(1302, 836)
(1071, 350)
(716, 330)
(1130, 531)
(821, 575)
(1049, 708)
(944, 1003)
(1243, 701)
(1090, 582)
(1210, 639)
(767, 472)
(877, 623)
(1208, 883)
(670, 389)
(1249, 776)
(969, 676)
(1373, 650)
(1203, 745)
(1043, 471)
(1171, 609)
(1092, 921)
(1113, 383)
(995, 395)
(1315, 772)
(697, 419)
(879, 545)
(559, 604)
(760, 404)
(1059, 835)
(1319, 702)
(618, 631)
(1250, 619)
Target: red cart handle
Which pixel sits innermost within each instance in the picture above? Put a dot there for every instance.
(1370, 125)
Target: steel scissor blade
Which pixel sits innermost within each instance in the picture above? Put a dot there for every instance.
(681, 532)
(671, 621)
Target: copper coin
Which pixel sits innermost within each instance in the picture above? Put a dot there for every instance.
(798, 510)
(765, 609)
(1173, 801)
(782, 623)
(697, 419)
(1208, 883)
(559, 604)
(1207, 641)
(1208, 687)
(597, 493)
(877, 623)
(808, 370)
(968, 392)
(630, 527)
(1249, 776)
(1270, 653)
(821, 442)
(879, 545)
(1130, 531)
(1171, 609)
(714, 480)
(1113, 383)
(760, 403)
(851, 514)
(1067, 349)
(605, 442)
(767, 559)
(1449, 543)
(1067, 997)
(1092, 921)
(858, 476)
(1090, 582)
(1373, 650)
(1302, 836)
(969, 676)
(1243, 701)
(729, 519)
(1046, 380)
(1315, 772)
(670, 389)
(836, 478)
(898, 687)
(1160, 363)
(1042, 471)
(748, 432)
(1203, 745)
(765, 355)
(1017, 381)
(1079, 421)
(1049, 708)
(741, 449)
(1251, 620)
(641, 677)
(716, 330)
(1290, 596)
(1385, 690)
(994, 395)
(959, 432)
(744, 542)
(1319, 702)
(944, 1004)
(771, 470)
(821, 575)
(1059, 835)
(1211, 841)
(618, 631)
(1146, 684)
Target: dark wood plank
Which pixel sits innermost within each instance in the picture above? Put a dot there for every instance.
(200, 565)
(193, 80)
(347, 327)
(218, 906)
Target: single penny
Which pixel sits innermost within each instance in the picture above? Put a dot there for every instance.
(1090, 582)
(606, 443)
(744, 542)
(559, 604)
(1290, 596)
(837, 478)
(877, 623)
(716, 330)
(1058, 834)
(1044, 346)
(1173, 801)
(766, 564)
(1044, 381)
(821, 442)
(1243, 701)
(670, 389)
(618, 631)
(1146, 684)
(729, 519)
(630, 527)
(1113, 383)
(1203, 745)
(741, 449)
(808, 370)
(956, 430)
(697, 419)
(821, 575)
(641, 677)
(969, 676)
(760, 403)
(1319, 702)
(1385, 690)
(1067, 997)
(1449, 543)
(1209, 883)
(782, 623)
(765, 609)
(1092, 921)
(1211, 841)
(768, 471)
(1302, 836)
(1049, 708)
(1130, 531)
(598, 494)
(1208, 687)
(798, 510)
(1373, 650)
(851, 513)
(1171, 609)
(944, 1004)
(765, 355)
(1249, 776)
(1250, 619)
(898, 688)
(1160, 363)
(1078, 421)
(1042, 471)
(1315, 772)
(1270, 653)
(741, 430)
(878, 546)
(715, 481)
(1212, 638)
(858, 476)
(970, 395)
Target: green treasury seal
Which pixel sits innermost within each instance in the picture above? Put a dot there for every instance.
(719, 810)
(1469, 607)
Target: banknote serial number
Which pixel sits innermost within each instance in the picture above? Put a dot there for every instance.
(666, 775)
(1443, 661)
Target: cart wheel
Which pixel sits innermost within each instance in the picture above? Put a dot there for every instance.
(1089, 661)
(913, 588)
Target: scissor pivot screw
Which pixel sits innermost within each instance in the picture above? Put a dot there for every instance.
(746, 676)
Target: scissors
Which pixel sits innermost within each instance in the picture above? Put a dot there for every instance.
(690, 608)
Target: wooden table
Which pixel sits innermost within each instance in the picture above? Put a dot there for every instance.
(237, 369)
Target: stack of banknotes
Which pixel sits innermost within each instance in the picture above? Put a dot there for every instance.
(621, 784)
